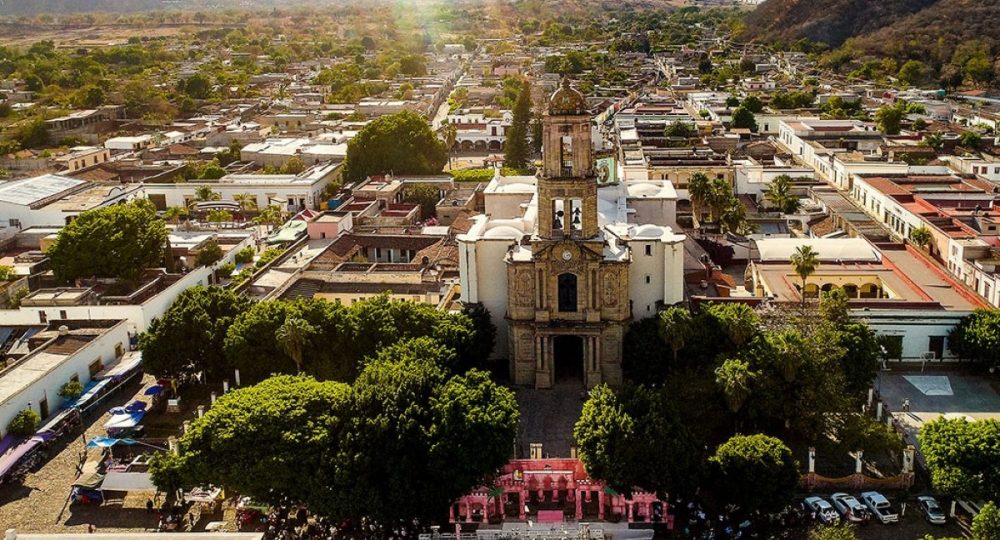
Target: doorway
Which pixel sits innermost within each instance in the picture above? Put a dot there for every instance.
(568, 355)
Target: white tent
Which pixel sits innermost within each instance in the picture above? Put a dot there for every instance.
(127, 481)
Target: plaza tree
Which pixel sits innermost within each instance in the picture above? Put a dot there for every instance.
(636, 439)
(986, 524)
(699, 191)
(676, 327)
(735, 379)
(265, 441)
(189, 337)
(426, 196)
(840, 531)
(400, 143)
(977, 337)
(754, 472)
(293, 337)
(961, 457)
(430, 436)
(118, 241)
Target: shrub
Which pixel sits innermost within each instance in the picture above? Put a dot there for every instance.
(24, 424)
(71, 390)
(244, 255)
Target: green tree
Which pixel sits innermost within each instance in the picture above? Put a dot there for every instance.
(699, 191)
(205, 194)
(294, 165)
(293, 337)
(425, 195)
(970, 139)
(804, 262)
(266, 441)
(218, 215)
(986, 524)
(679, 129)
(735, 379)
(637, 440)
(921, 236)
(889, 119)
(431, 437)
(481, 345)
(961, 457)
(189, 337)
(118, 241)
(738, 321)
(743, 118)
(209, 254)
(175, 214)
(401, 143)
(779, 195)
(197, 86)
(24, 424)
(977, 337)
(913, 73)
(676, 327)
(754, 472)
(753, 104)
(272, 215)
(516, 146)
(247, 202)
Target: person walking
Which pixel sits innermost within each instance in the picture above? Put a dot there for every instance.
(906, 405)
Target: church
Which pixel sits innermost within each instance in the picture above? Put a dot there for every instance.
(567, 259)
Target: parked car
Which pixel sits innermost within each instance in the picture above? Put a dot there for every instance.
(880, 507)
(824, 511)
(850, 508)
(931, 509)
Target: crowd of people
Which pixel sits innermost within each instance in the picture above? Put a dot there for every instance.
(692, 521)
(286, 522)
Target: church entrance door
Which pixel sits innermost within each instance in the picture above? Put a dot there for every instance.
(568, 353)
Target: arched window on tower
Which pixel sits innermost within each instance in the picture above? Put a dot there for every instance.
(566, 155)
(576, 215)
(567, 292)
(558, 215)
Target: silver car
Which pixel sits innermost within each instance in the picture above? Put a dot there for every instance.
(850, 508)
(932, 510)
(824, 512)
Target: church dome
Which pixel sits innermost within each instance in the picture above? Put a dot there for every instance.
(567, 100)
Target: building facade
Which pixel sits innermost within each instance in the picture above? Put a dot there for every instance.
(560, 266)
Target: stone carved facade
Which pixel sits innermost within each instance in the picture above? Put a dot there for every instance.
(568, 304)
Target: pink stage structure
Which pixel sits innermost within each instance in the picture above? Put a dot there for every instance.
(553, 491)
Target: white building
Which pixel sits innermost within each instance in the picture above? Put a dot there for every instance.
(55, 200)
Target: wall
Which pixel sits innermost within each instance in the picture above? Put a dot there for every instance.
(484, 280)
(48, 385)
(916, 327)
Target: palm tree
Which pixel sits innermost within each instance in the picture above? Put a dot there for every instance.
(247, 201)
(780, 196)
(449, 133)
(205, 193)
(675, 328)
(272, 216)
(804, 261)
(293, 336)
(699, 190)
(734, 219)
(175, 214)
(735, 378)
(720, 197)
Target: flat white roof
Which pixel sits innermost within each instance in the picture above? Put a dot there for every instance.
(31, 190)
(828, 249)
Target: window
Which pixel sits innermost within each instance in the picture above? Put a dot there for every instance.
(95, 367)
(42, 317)
(649, 279)
(576, 215)
(648, 248)
(567, 292)
(558, 215)
(566, 155)
(62, 314)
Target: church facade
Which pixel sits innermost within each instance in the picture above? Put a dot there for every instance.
(560, 266)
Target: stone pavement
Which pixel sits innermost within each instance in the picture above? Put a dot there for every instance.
(548, 417)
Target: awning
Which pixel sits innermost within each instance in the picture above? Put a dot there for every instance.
(53, 425)
(8, 462)
(121, 421)
(127, 481)
(91, 481)
(92, 390)
(130, 364)
(288, 233)
(153, 390)
(108, 442)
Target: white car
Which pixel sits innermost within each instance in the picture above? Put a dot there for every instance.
(824, 511)
(880, 507)
(932, 510)
(850, 508)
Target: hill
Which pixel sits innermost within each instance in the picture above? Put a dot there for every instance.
(829, 21)
(947, 42)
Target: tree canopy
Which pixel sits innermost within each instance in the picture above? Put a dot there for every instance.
(636, 439)
(977, 337)
(118, 241)
(400, 143)
(189, 337)
(755, 472)
(961, 457)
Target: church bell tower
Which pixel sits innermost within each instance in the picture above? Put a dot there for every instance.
(567, 189)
